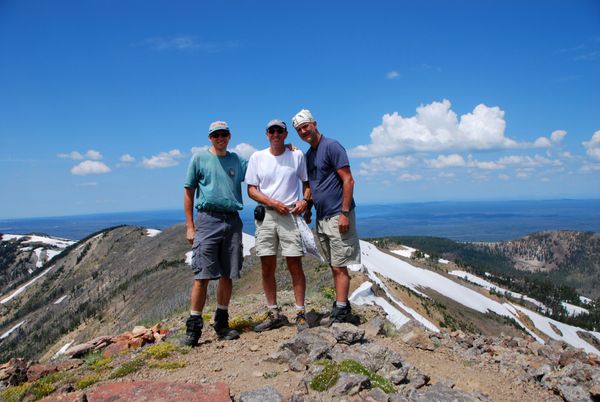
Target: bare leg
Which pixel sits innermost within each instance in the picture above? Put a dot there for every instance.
(199, 289)
(224, 291)
(298, 279)
(341, 281)
(268, 266)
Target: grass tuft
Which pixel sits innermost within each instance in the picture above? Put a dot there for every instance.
(14, 394)
(86, 381)
(127, 368)
(330, 375)
(160, 350)
(167, 365)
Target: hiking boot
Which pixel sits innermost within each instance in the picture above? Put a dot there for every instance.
(301, 323)
(274, 320)
(193, 331)
(340, 315)
(221, 326)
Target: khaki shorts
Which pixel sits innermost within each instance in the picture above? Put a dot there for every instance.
(278, 231)
(340, 250)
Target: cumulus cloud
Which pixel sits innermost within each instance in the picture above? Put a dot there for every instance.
(542, 142)
(163, 160)
(528, 161)
(444, 161)
(244, 150)
(435, 127)
(503, 176)
(193, 150)
(90, 167)
(93, 155)
(71, 155)
(77, 156)
(558, 135)
(409, 177)
(385, 164)
(447, 174)
(593, 146)
(127, 158)
(392, 75)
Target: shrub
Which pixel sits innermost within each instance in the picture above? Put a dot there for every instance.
(167, 365)
(330, 375)
(86, 381)
(127, 368)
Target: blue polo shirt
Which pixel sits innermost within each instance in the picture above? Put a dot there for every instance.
(217, 180)
(322, 164)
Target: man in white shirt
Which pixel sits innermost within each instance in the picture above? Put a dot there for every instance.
(274, 176)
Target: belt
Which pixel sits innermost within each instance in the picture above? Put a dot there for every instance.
(292, 205)
(214, 211)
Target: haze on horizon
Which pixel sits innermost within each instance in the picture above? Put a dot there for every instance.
(103, 103)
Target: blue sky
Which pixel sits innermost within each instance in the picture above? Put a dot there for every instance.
(103, 102)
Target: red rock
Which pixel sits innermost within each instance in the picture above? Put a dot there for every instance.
(37, 371)
(68, 364)
(139, 331)
(125, 337)
(163, 331)
(115, 348)
(138, 391)
(136, 343)
(156, 328)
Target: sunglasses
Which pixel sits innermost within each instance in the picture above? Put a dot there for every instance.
(278, 130)
(220, 134)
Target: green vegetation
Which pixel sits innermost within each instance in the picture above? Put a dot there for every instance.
(14, 394)
(160, 350)
(86, 381)
(331, 372)
(127, 368)
(328, 292)
(167, 365)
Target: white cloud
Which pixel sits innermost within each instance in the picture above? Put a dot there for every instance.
(522, 175)
(447, 174)
(558, 135)
(590, 167)
(71, 155)
(185, 43)
(528, 161)
(163, 160)
(545, 179)
(436, 127)
(385, 164)
(484, 165)
(193, 150)
(542, 142)
(409, 177)
(593, 146)
(93, 155)
(503, 176)
(244, 150)
(90, 167)
(392, 75)
(127, 158)
(444, 161)
(88, 184)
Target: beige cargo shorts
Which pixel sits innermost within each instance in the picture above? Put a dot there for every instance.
(278, 231)
(340, 250)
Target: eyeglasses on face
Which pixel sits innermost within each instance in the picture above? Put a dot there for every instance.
(220, 134)
(273, 130)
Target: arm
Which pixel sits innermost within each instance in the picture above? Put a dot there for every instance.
(303, 204)
(258, 196)
(347, 192)
(188, 208)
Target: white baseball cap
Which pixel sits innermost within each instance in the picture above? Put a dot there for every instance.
(303, 116)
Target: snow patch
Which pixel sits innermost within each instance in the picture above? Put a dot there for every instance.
(62, 350)
(9, 237)
(153, 232)
(7, 333)
(60, 299)
(188, 257)
(60, 243)
(443, 261)
(364, 295)
(248, 242)
(22, 288)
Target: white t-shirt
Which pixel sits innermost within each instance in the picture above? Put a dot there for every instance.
(278, 177)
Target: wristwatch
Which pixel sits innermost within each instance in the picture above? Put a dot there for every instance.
(345, 213)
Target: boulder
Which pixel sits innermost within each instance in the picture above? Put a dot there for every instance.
(347, 333)
(263, 394)
(349, 384)
(418, 338)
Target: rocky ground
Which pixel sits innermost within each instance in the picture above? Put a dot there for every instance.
(283, 365)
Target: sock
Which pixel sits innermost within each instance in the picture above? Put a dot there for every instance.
(196, 313)
(299, 309)
(222, 307)
(341, 304)
(273, 307)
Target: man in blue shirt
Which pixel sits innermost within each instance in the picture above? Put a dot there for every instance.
(332, 187)
(214, 176)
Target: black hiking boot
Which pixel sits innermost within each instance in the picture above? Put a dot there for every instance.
(221, 326)
(274, 320)
(193, 331)
(341, 315)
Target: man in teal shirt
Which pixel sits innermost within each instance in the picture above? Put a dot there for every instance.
(214, 177)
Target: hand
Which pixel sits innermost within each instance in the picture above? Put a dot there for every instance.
(280, 207)
(307, 215)
(299, 207)
(343, 224)
(291, 147)
(189, 234)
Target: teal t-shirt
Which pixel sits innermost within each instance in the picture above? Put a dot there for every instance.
(217, 180)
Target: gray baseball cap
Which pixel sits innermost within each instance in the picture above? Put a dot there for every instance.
(278, 123)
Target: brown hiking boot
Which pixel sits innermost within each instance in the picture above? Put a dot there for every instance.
(275, 319)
